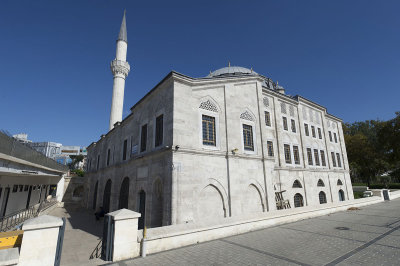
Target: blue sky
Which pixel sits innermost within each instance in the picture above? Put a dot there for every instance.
(56, 84)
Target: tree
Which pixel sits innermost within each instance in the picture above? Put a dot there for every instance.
(76, 159)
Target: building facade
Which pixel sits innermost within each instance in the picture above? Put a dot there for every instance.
(231, 143)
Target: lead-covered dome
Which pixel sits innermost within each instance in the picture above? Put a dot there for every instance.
(231, 70)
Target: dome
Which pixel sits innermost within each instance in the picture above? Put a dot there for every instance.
(231, 70)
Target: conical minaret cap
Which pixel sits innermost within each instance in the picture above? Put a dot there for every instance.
(123, 36)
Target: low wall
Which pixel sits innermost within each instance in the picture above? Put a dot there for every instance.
(394, 194)
(175, 236)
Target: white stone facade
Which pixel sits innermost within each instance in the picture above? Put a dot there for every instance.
(181, 180)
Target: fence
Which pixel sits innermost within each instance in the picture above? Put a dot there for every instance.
(13, 220)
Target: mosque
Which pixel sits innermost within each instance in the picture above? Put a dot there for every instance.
(229, 143)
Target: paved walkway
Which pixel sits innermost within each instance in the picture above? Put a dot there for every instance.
(369, 236)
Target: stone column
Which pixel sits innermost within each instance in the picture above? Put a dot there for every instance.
(125, 243)
(39, 242)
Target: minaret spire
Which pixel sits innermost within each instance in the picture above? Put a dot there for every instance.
(123, 36)
(120, 69)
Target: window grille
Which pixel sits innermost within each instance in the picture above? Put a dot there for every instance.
(266, 102)
(298, 200)
(293, 123)
(297, 184)
(291, 110)
(320, 183)
(208, 105)
(323, 161)
(247, 116)
(339, 162)
(270, 148)
(296, 155)
(306, 129)
(283, 108)
(267, 118)
(288, 158)
(334, 135)
(143, 139)
(309, 156)
(285, 126)
(333, 159)
(330, 136)
(159, 130)
(339, 182)
(124, 149)
(322, 197)
(319, 133)
(313, 131)
(248, 137)
(209, 137)
(316, 156)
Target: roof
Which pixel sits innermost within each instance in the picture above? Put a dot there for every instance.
(123, 35)
(231, 70)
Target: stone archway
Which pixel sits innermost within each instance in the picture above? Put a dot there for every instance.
(124, 194)
(252, 200)
(210, 204)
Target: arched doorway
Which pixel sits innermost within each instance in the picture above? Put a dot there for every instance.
(142, 209)
(341, 195)
(107, 197)
(322, 197)
(124, 194)
(298, 200)
(95, 195)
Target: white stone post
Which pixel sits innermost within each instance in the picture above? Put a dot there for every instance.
(125, 244)
(39, 242)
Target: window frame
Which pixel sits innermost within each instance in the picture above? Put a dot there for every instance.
(155, 143)
(339, 161)
(319, 133)
(288, 159)
(284, 123)
(335, 137)
(316, 157)
(141, 138)
(270, 144)
(310, 160)
(296, 152)
(217, 131)
(323, 159)
(267, 114)
(313, 132)
(251, 125)
(293, 125)
(124, 149)
(306, 131)
(330, 136)
(333, 159)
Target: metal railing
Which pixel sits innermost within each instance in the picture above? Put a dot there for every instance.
(44, 205)
(13, 220)
(97, 251)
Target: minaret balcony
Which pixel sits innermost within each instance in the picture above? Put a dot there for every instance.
(120, 67)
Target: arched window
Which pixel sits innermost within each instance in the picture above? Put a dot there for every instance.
(341, 195)
(78, 192)
(320, 183)
(298, 200)
(107, 197)
(339, 182)
(124, 194)
(297, 184)
(322, 197)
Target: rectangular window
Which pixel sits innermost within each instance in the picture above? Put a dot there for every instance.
(306, 130)
(270, 148)
(309, 156)
(15, 188)
(267, 119)
(316, 157)
(124, 149)
(296, 155)
(21, 187)
(293, 126)
(108, 157)
(284, 123)
(333, 159)
(319, 133)
(98, 162)
(323, 161)
(334, 135)
(339, 162)
(288, 158)
(248, 137)
(313, 131)
(159, 130)
(143, 139)
(208, 130)
(330, 136)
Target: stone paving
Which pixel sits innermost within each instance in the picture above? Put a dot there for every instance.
(369, 236)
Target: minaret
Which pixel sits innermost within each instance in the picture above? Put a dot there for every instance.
(120, 69)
